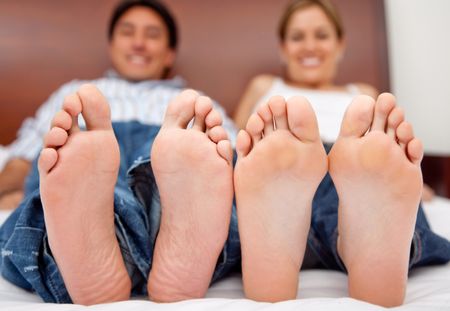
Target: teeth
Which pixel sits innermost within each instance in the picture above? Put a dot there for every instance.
(310, 61)
(138, 60)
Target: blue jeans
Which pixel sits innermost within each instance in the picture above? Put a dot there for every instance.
(27, 260)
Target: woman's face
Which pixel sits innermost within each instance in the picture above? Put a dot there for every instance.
(311, 48)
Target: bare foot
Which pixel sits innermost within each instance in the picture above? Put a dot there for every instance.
(277, 173)
(193, 171)
(78, 171)
(375, 165)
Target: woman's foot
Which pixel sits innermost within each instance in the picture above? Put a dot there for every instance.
(78, 171)
(193, 171)
(375, 166)
(281, 161)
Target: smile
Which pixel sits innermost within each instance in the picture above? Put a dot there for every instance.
(138, 60)
(310, 61)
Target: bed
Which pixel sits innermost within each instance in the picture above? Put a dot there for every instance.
(428, 288)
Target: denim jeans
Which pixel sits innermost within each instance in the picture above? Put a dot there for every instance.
(27, 260)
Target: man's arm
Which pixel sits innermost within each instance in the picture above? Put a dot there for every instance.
(12, 180)
(13, 175)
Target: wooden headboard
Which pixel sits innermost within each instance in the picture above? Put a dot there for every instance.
(223, 45)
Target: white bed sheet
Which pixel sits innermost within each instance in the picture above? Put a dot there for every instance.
(428, 288)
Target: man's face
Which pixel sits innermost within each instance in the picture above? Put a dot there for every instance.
(139, 47)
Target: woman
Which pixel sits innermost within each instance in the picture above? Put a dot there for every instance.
(312, 43)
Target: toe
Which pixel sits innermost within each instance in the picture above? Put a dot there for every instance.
(56, 137)
(213, 119)
(302, 119)
(414, 151)
(243, 143)
(265, 114)
(277, 106)
(47, 160)
(181, 110)
(63, 120)
(255, 127)
(396, 117)
(95, 108)
(217, 134)
(203, 107)
(404, 134)
(225, 150)
(383, 106)
(358, 117)
(72, 106)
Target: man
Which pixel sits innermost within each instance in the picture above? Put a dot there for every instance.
(142, 48)
(143, 39)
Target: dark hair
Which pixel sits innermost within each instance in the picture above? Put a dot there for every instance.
(325, 5)
(154, 5)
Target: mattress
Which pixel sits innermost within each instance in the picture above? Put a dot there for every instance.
(428, 288)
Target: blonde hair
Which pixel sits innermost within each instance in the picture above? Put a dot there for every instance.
(325, 5)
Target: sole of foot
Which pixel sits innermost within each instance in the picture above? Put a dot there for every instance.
(78, 171)
(281, 161)
(375, 166)
(193, 172)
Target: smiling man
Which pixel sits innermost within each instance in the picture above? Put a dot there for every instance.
(143, 39)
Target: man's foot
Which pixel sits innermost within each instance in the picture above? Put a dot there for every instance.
(78, 171)
(281, 161)
(193, 171)
(375, 166)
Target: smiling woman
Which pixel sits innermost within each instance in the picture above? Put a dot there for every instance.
(312, 43)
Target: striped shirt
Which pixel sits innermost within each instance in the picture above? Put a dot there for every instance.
(144, 101)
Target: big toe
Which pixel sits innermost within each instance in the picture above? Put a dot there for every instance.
(358, 117)
(181, 110)
(302, 119)
(383, 107)
(95, 108)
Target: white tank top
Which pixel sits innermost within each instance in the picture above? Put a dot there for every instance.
(329, 106)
